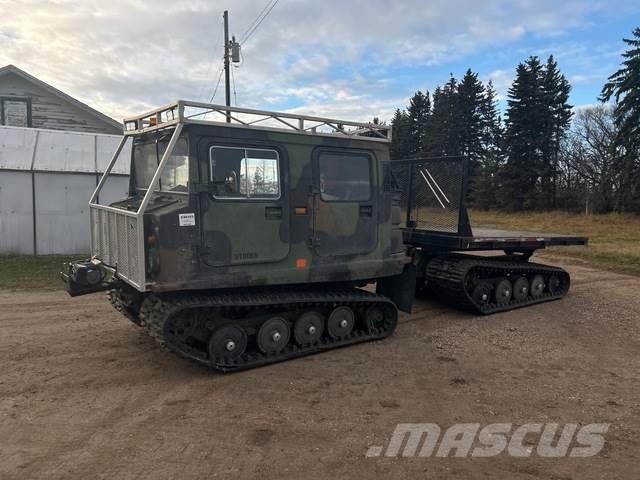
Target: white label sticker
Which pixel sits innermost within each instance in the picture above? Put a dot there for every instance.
(187, 219)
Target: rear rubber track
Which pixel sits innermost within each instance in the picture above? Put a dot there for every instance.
(452, 278)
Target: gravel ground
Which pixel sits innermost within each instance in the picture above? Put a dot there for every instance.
(86, 394)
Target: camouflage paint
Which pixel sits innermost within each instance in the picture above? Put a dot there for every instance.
(236, 243)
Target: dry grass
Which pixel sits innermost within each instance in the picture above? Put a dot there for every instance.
(614, 243)
(614, 239)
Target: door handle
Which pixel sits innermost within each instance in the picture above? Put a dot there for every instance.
(273, 213)
(366, 210)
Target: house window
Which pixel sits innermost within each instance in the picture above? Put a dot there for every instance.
(15, 111)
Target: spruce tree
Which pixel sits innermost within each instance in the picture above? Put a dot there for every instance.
(624, 88)
(556, 90)
(441, 136)
(525, 138)
(400, 141)
(484, 184)
(468, 126)
(418, 113)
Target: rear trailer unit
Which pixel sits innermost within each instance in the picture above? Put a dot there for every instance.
(433, 193)
(246, 236)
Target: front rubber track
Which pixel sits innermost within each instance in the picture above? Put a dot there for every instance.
(224, 308)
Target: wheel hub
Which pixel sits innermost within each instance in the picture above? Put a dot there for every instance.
(308, 328)
(228, 342)
(341, 322)
(273, 335)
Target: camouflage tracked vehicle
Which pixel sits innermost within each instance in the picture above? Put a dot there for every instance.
(245, 242)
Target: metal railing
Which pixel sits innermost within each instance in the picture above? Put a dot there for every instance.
(117, 235)
(433, 191)
(184, 111)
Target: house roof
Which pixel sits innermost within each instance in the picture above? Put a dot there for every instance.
(54, 91)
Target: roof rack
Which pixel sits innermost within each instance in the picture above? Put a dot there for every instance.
(187, 112)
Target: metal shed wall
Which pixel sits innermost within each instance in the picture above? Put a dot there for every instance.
(56, 172)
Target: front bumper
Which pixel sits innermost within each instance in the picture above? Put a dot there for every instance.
(87, 276)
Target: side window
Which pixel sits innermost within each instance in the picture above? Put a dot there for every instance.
(345, 177)
(245, 172)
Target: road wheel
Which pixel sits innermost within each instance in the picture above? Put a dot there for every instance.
(503, 291)
(521, 289)
(537, 285)
(374, 318)
(228, 342)
(554, 286)
(273, 335)
(481, 293)
(308, 329)
(341, 322)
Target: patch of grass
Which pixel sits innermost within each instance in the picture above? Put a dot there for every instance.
(28, 271)
(614, 239)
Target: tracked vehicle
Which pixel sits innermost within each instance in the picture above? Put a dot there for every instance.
(247, 236)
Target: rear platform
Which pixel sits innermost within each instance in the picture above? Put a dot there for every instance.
(484, 239)
(432, 193)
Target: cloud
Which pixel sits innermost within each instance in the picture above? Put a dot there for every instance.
(502, 80)
(327, 57)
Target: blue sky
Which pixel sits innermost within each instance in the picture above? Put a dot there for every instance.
(346, 59)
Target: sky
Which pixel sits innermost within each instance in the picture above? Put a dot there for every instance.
(342, 59)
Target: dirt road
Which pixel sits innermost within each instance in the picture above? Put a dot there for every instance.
(86, 394)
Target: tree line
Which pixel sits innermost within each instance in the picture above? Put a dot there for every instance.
(543, 154)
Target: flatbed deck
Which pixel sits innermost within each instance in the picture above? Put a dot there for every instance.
(486, 239)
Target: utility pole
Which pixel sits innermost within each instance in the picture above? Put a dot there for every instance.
(227, 87)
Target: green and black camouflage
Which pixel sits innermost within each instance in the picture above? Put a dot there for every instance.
(296, 238)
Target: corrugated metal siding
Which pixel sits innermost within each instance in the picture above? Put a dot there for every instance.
(65, 152)
(16, 148)
(65, 174)
(16, 213)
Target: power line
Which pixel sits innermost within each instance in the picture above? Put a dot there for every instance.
(255, 20)
(215, 90)
(235, 94)
(259, 23)
(213, 59)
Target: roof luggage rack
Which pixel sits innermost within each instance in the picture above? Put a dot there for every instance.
(187, 112)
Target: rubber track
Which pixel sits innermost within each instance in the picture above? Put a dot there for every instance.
(156, 310)
(120, 305)
(447, 277)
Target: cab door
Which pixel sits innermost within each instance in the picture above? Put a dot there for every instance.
(345, 213)
(247, 219)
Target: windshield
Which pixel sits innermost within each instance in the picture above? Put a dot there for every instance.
(175, 176)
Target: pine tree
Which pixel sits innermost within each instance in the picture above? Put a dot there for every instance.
(468, 129)
(624, 87)
(525, 137)
(441, 137)
(556, 90)
(484, 184)
(418, 113)
(400, 142)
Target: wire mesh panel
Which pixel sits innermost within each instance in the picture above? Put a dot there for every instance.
(115, 239)
(431, 190)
